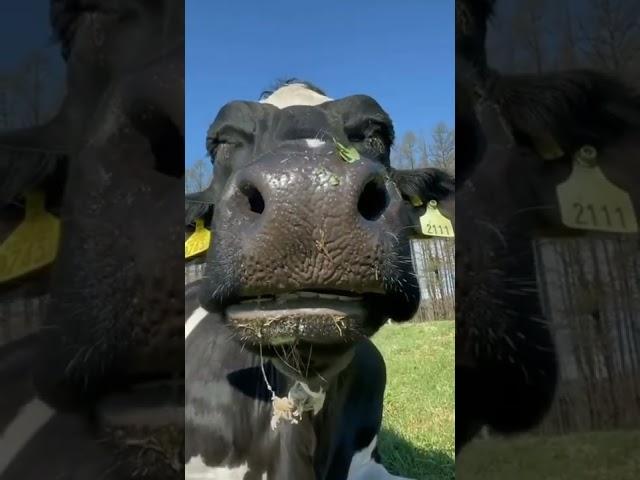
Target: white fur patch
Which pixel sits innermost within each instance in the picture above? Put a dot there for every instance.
(364, 467)
(29, 420)
(295, 94)
(315, 142)
(195, 469)
(193, 321)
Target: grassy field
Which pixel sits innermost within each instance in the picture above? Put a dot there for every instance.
(417, 439)
(585, 456)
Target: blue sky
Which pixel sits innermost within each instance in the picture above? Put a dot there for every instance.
(400, 53)
(24, 26)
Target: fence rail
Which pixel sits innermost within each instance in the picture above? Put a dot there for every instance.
(434, 263)
(20, 315)
(591, 296)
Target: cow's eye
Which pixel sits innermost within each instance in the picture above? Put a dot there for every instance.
(357, 137)
(371, 136)
(220, 148)
(376, 142)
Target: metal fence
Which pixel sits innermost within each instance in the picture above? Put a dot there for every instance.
(20, 315)
(590, 292)
(193, 271)
(434, 264)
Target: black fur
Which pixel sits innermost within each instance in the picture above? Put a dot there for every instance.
(575, 107)
(424, 183)
(17, 177)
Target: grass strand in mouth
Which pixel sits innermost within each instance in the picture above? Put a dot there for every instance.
(292, 407)
(282, 407)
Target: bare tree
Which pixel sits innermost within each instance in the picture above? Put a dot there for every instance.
(404, 154)
(567, 57)
(500, 51)
(12, 107)
(610, 35)
(31, 87)
(529, 30)
(198, 176)
(443, 147)
(5, 112)
(416, 150)
(31, 93)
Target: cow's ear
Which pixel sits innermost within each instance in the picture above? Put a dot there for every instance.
(421, 185)
(197, 206)
(34, 158)
(555, 114)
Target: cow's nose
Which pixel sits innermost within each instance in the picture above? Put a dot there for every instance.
(372, 200)
(301, 189)
(303, 218)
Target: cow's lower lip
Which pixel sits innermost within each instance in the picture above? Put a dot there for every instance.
(315, 320)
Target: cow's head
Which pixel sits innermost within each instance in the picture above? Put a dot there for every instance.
(116, 306)
(311, 224)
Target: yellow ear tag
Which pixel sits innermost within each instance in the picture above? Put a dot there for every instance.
(198, 242)
(589, 201)
(434, 224)
(547, 147)
(416, 201)
(33, 244)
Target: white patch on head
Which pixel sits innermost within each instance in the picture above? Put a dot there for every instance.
(193, 321)
(196, 469)
(29, 420)
(295, 94)
(315, 142)
(364, 467)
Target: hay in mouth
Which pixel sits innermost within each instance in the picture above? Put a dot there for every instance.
(300, 316)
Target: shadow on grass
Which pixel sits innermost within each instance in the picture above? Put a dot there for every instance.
(403, 458)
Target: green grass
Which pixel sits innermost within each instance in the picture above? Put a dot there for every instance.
(417, 438)
(584, 456)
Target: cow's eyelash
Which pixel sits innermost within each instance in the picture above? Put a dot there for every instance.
(370, 132)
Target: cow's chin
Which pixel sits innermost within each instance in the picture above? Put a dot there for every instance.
(308, 335)
(144, 427)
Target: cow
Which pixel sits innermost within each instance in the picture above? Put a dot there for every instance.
(310, 256)
(527, 132)
(98, 390)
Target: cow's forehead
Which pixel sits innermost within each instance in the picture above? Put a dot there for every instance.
(295, 94)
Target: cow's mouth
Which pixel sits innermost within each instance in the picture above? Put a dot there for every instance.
(305, 316)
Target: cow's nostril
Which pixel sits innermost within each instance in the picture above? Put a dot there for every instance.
(373, 200)
(255, 198)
